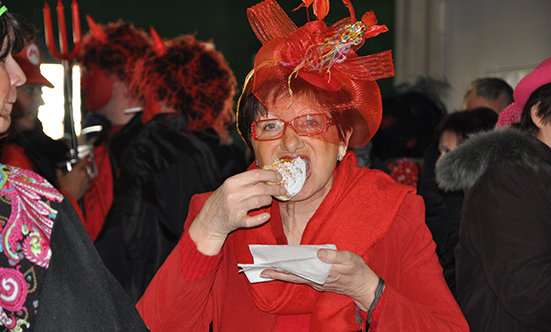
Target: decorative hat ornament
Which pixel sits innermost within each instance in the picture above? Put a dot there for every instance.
(325, 57)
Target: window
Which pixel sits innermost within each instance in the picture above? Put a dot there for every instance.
(51, 114)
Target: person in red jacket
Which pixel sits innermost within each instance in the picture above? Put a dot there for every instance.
(309, 97)
(27, 146)
(183, 149)
(52, 278)
(107, 58)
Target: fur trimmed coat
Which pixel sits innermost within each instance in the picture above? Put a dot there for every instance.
(503, 258)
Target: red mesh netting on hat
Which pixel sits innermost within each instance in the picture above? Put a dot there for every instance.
(325, 58)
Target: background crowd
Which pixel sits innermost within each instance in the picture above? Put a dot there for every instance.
(461, 240)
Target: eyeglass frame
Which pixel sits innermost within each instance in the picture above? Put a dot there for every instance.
(328, 123)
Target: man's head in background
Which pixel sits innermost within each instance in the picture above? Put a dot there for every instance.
(489, 92)
(29, 95)
(107, 59)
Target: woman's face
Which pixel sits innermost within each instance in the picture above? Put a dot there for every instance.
(544, 126)
(11, 76)
(448, 142)
(320, 155)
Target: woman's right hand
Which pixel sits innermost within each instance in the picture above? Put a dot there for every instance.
(227, 208)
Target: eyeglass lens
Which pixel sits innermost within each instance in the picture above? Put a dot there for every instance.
(304, 125)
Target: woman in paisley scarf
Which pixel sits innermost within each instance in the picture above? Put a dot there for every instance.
(309, 97)
(51, 278)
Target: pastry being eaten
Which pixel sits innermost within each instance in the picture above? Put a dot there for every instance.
(293, 172)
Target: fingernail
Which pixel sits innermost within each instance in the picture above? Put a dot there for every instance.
(323, 253)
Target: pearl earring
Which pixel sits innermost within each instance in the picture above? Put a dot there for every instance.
(340, 157)
(257, 163)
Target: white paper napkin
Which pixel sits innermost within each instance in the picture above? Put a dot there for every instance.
(301, 260)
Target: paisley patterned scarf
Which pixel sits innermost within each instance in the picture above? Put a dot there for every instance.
(26, 222)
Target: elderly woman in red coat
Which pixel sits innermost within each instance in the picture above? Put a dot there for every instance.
(307, 100)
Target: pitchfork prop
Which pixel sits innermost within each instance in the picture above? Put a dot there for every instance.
(65, 56)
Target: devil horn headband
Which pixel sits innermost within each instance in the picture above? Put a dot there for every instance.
(160, 47)
(96, 30)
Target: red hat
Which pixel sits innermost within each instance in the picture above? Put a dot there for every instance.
(325, 57)
(29, 59)
(540, 76)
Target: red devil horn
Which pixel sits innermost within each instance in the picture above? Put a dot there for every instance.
(96, 30)
(160, 46)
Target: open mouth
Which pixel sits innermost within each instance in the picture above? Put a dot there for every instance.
(294, 171)
(306, 160)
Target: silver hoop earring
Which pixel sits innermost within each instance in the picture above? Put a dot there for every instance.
(340, 157)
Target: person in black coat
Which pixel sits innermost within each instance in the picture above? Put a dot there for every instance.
(503, 257)
(183, 149)
(52, 278)
(27, 145)
(443, 208)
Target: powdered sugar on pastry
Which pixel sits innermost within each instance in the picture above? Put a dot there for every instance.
(293, 172)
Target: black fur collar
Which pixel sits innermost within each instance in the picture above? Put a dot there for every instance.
(461, 168)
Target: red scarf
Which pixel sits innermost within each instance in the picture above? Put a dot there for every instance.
(356, 213)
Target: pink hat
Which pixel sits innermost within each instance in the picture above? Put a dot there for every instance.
(29, 59)
(538, 77)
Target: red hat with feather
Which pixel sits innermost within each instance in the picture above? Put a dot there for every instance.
(323, 56)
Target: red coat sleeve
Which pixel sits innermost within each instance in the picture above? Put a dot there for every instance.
(416, 297)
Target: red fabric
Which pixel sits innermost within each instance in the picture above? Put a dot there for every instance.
(205, 265)
(377, 201)
(292, 323)
(416, 295)
(99, 197)
(75, 205)
(404, 171)
(323, 57)
(14, 155)
(375, 314)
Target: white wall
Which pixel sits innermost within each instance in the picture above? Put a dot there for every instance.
(466, 39)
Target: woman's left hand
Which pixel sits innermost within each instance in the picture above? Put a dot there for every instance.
(349, 276)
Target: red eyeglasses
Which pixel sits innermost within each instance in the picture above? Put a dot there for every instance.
(304, 125)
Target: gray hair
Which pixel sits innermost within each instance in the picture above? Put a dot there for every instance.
(490, 88)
